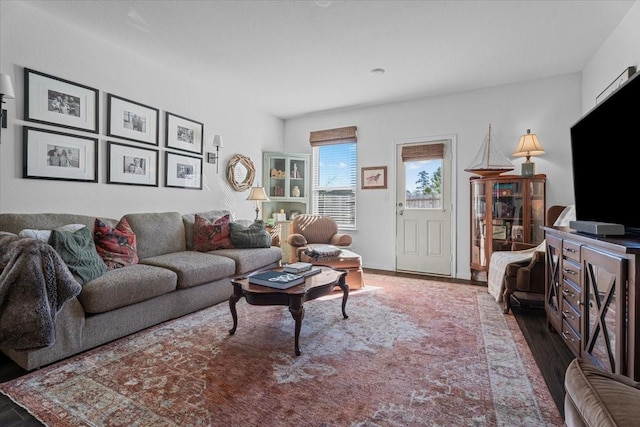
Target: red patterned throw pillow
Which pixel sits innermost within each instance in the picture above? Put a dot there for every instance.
(115, 245)
(210, 236)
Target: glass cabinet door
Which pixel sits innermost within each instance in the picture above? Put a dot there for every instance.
(478, 223)
(275, 185)
(536, 222)
(297, 187)
(507, 220)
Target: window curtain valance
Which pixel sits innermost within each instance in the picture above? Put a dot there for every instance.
(422, 152)
(333, 136)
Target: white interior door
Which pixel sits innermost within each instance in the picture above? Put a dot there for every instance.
(423, 207)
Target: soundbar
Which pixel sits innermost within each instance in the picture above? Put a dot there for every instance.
(596, 228)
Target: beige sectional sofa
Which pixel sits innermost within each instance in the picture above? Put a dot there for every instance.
(170, 280)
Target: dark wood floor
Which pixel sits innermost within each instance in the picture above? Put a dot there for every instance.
(550, 353)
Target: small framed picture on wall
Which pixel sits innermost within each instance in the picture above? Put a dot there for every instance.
(131, 165)
(57, 155)
(183, 134)
(182, 171)
(132, 120)
(59, 102)
(373, 178)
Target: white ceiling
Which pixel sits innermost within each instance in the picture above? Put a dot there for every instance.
(292, 58)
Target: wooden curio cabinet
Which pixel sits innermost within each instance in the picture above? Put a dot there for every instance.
(504, 209)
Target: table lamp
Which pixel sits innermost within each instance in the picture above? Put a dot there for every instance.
(528, 146)
(258, 194)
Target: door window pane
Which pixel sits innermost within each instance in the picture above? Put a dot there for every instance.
(423, 184)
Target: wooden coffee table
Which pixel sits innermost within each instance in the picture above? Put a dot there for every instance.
(314, 287)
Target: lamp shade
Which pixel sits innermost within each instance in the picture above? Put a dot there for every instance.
(217, 141)
(6, 88)
(257, 193)
(528, 146)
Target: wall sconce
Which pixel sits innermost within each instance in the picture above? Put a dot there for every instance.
(528, 146)
(6, 91)
(215, 157)
(259, 195)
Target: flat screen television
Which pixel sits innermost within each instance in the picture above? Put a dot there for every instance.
(605, 151)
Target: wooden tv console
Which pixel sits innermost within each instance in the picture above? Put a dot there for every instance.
(592, 297)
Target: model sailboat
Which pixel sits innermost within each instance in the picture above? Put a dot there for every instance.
(490, 160)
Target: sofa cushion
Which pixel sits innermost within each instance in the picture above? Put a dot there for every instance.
(15, 222)
(247, 260)
(115, 245)
(253, 236)
(211, 235)
(157, 233)
(79, 253)
(194, 268)
(45, 234)
(125, 286)
(189, 221)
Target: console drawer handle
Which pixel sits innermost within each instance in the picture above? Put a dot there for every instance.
(566, 292)
(568, 313)
(573, 251)
(566, 336)
(567, 271)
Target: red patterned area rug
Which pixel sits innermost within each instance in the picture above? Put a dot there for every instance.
(413, 352)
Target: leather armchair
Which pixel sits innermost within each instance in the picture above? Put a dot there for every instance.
(307, 231)
(525, 279)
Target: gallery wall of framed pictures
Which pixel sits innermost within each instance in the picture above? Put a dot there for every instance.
(75, 107)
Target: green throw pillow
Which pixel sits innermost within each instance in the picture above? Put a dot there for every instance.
(78, 251)
(253, 236)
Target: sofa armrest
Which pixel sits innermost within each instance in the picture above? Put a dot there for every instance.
(296, 240)
(340, 239)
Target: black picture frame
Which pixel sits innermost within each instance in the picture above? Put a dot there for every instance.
(54, 155)
(132, 165)
(183, 134)
(182, 171)
(55, 101)
(131, 120)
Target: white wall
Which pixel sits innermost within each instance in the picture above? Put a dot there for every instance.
(33, 40)
(619, 51)
(548, 107)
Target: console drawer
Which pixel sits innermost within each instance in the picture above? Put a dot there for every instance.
(572, 317)
(571, 250)
(571, 271)
(571, 295)
(570, 338)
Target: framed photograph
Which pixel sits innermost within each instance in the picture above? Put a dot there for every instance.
(517, 233)
(183, 134)
(57, 155)
(55, 101)
(127, 164)
(500, 232)
(182, 171)
(373, 178)
(131, 120)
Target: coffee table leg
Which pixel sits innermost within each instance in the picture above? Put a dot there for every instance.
(297, 311)
(345, 294)
(235, 297)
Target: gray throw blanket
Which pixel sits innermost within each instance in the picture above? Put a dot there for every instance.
(34, 285)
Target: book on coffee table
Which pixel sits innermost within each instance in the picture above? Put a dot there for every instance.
(297, 267)
(311, 272)
(276, 279)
